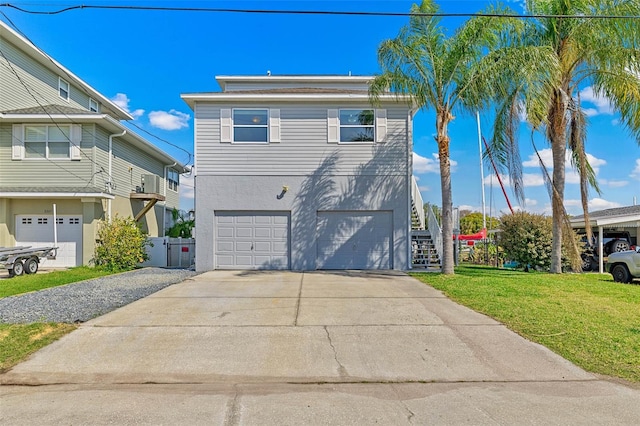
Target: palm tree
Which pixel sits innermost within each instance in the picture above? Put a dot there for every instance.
(453, 74)
(597, 52)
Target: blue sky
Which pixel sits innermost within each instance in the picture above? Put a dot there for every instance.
(145, 59)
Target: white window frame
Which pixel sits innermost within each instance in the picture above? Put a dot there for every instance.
(61, 83)
(173, 184)
(234, 126)
(46, 142)
(93, 102)
(341, 125)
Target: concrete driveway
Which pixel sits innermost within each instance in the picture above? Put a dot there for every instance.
(286, 348)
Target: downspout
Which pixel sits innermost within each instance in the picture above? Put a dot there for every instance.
(110, 183)
(164, 211)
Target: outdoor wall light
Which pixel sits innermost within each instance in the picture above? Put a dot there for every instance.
(285, 188)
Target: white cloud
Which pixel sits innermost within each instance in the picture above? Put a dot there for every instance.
(429, 165)
(121, 100)
(529, 202)
(635, 174)
(601, 103)
(600, 204)
(617, 183)
(424, 188)
(172, 120)
(571, 174)
(528, 179)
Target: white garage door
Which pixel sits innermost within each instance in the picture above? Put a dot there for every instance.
(251, 240)
(37, 231)
(354, 240)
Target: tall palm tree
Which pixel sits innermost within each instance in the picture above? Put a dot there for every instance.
(453, 74)
(603, 53)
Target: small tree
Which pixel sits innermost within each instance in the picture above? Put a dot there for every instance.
(527, 239)
(472, 223)
(182, 225)
(121, 244)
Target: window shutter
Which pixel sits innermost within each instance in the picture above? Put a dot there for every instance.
(17, 144)
(274, 125)
(76, 139)
(226, 125)
(381, 125)
(333, 126)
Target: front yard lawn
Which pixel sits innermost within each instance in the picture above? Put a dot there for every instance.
(18, 341)
(40, 281)
(586, 318)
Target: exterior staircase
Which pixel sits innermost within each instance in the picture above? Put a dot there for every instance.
(425, 245)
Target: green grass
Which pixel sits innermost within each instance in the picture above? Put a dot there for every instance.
(18, 341)
(40, 281)
(587, 318)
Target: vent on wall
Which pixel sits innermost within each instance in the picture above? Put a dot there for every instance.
(151, 184)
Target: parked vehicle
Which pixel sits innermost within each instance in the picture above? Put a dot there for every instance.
(613, 242)
(625, 265)
(24, 259)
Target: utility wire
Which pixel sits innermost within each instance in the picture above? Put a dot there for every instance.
(312, 12)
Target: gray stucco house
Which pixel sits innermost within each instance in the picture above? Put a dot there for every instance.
(63, 143)
(302, 173)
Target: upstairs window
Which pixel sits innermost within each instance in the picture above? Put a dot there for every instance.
(93, 106)
(47, 141)
(251, 125)
(63, 89)
(357, 125)
(173, 180)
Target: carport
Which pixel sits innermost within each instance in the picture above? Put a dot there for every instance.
(618, 219)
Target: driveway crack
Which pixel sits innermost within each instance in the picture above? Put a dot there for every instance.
(341, 370)
(295, 321)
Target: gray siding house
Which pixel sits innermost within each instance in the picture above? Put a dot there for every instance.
(301, 173)
(62, 143)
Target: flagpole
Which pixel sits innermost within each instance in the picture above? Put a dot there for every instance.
(484, 213)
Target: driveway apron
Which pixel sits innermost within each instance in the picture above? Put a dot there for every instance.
(278, 348)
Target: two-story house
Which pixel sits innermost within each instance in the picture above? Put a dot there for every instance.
(302, 173)
(62, 144)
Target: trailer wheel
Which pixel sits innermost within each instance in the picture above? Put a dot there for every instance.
(18, 268)
(31, 265)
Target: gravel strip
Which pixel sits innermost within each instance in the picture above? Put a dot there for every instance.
(82, 301)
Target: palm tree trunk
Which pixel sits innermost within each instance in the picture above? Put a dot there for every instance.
(443, 118)
(558, 137)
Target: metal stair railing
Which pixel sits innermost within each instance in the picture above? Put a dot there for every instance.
(417, 203)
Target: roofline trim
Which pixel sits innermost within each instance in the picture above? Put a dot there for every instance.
(57, 195)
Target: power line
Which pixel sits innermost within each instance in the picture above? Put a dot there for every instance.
(313, 12)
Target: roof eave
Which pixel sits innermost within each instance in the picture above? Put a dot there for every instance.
(221, 97)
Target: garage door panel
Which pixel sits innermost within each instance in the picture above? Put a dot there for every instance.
(37, 231)
(260, 240)
(243, 232)
(354, 240)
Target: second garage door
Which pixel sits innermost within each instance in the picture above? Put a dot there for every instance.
(354, 240)
(252, 240)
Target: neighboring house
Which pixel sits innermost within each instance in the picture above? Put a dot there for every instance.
(302, 173)
(615, 219)
(62, 143)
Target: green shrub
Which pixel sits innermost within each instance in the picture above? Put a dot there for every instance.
(121, 244)
(526, 238)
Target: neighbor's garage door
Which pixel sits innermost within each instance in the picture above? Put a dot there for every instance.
(37, 231)
(354, 240)
(251, 240)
